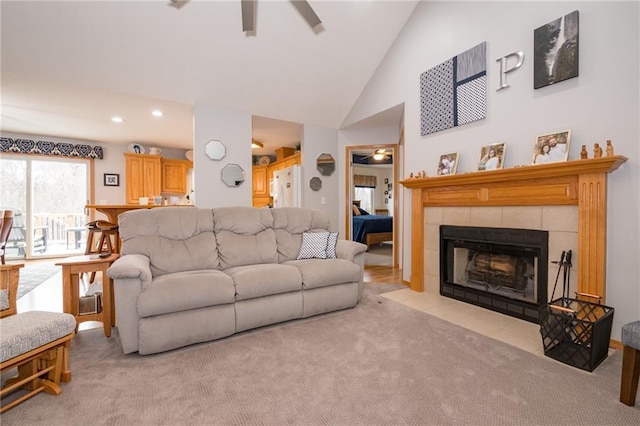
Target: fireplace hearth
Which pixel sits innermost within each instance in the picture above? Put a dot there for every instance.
(502, 269)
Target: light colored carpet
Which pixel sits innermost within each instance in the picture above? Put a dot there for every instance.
(31, 276)
(380, 363)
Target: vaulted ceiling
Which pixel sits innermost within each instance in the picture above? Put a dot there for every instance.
(68, 67)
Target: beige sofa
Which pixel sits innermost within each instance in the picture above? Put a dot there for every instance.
(188, 275)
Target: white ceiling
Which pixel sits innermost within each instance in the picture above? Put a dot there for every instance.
(68, 67)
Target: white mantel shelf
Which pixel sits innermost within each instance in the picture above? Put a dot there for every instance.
(580, 182)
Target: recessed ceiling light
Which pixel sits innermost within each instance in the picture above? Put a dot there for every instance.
(157, 113)
(117, 119)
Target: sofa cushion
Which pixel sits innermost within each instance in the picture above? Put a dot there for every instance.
(185, 290)
(175, 239)
(290, 223)
(264, 280)
(245, 236)
(325, 272)
(24, 332)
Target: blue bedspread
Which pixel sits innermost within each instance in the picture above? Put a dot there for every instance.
(370, 224)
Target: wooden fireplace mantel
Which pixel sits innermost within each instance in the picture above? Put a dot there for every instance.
(580, 182)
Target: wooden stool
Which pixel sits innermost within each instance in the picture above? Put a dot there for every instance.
(99, 239)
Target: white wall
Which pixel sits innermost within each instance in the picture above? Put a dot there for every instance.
(316, 141)
(602, 103)
(233, 129)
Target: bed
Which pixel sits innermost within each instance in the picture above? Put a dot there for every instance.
(372, 229)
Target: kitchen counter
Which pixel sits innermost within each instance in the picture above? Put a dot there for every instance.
(113, 210)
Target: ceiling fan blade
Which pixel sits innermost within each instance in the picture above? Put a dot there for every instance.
(177, 3)
(248, 14)
(307, 12)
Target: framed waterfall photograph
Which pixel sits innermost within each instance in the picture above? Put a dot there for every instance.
(555, 51)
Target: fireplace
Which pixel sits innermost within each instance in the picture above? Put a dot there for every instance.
(501, 269)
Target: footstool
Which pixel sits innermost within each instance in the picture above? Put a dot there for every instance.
(36, 343)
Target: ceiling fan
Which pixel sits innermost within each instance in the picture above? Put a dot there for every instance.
(379, 155)
(249, 7)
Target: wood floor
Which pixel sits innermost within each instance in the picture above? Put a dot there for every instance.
(382, 274)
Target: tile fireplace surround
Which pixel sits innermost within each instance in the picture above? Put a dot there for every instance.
(569, 199)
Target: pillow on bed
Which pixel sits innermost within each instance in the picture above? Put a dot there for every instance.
(363, 212)
(356, 211)
(314, 245)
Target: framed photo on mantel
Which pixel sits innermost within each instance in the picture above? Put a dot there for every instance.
(492, 156)
(551, 148)
(448, 164)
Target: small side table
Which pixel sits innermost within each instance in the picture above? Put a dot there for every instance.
(72, 268)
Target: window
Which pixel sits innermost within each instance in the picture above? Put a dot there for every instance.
(48, 195)
(365, 195)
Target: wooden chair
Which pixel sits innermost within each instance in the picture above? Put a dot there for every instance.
(35, 343)
(5, 230)
(630, 363)
(17, 238)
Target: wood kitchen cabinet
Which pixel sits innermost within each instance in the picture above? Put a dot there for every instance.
(261, 186)
(143, 176)
(263, 174)
(174, 175)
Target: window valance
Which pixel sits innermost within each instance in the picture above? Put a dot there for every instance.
(27, 146)
(364, 181)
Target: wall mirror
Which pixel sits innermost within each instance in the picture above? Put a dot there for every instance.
(232, 175)
(325, 164)
(315, 183)
(215, 150)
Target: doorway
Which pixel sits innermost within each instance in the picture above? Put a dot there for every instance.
(372, 176)
(48, 195)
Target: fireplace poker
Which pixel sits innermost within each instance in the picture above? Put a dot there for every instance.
(553, 295)
(567, 274)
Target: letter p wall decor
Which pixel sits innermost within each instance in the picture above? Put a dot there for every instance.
(455, 92)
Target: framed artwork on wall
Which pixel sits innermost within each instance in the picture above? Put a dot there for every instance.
(555, 51)
(448, 164)
(551, 148)
(111, 179)
(492, 157)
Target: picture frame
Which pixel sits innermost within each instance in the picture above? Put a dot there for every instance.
(111, 179)
(386, 180)
(551, 148)
(555, 50)
(492, 156)
(389, 186)
(448, 164)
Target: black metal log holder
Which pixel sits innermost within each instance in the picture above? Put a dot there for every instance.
(575, 331)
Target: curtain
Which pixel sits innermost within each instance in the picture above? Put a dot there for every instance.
(27, 146)
(364, 181)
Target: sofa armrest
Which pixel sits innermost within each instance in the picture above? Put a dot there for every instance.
(346, 249)
(131, 266)
(131, 274)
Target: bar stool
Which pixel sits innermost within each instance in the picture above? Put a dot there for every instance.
(99, 239)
